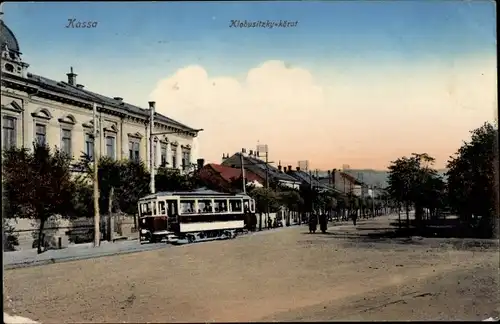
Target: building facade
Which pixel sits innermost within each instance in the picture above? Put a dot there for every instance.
(60, 114)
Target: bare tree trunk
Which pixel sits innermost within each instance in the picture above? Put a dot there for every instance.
(110, 215)
(40, 235)
(399, 216)
(407, 207)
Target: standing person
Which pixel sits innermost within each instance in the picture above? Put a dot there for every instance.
(354, 218)
(313, 223)
(323, 222)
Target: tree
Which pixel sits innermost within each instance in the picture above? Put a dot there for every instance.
(130, 180)
(472, 184)
(37, 185)
(413, 182)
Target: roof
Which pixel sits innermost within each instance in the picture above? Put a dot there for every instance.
(8, 38)
(229, 173)
(350, 178)
(305, 177)
(273, 171)
(66, 88)
(194, 193)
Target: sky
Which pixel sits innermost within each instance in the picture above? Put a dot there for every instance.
(358, 83)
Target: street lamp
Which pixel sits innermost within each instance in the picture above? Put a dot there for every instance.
(151, 144)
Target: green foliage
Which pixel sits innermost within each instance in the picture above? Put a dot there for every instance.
(265, 198)
(130, 180)
(37, 184)
(291, 199)
(472, 188)
(413, 182)
(173, 180)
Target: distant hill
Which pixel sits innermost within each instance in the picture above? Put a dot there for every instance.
(372, 177)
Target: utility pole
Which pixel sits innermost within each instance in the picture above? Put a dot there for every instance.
(151, 146)
(373, 201)
(97, 218)
(243, 172)
(311, 187)
(267, 187)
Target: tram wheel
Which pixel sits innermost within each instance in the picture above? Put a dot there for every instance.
(190, 238)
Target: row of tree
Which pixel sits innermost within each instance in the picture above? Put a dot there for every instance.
(40, 183)
(468, 189)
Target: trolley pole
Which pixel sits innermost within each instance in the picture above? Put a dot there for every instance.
(243, 173)
(97, 218)
(151, 147)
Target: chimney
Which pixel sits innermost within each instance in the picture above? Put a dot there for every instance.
(329, 177)
(251, 153)
(289, 168)
(279, 166)
(119, 99)
(80, 86)
(297, 168)
(71, 77)
(200, 163)
(333, 176)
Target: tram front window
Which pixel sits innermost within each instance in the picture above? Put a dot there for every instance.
(162, 208)
(146, 209)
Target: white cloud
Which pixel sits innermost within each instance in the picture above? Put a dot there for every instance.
(339, 118)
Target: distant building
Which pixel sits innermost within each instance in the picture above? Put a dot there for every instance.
(223, 177)
(59, 113)
(309, 179)
(258, 167)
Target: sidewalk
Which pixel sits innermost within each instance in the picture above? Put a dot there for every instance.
(26, 258)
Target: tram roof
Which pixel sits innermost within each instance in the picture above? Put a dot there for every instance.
(194, 193)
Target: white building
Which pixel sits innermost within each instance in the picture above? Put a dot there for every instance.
(59, 113)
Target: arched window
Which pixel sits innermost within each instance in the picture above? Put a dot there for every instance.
(9, 67)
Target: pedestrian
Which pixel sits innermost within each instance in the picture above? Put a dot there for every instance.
(323, 222)
(354, 217)
(313, 223)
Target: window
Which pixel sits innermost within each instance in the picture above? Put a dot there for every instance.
(174, 157)
(162, 208)
(186, 156)
(172, 208)
(235, 205)
(155, 154)
(188, 207)
(9, 132)
(205, 206)
(41, 134)
(89, 145)
(9, 67)
(133, 150)
(146, 209)
(220, 206)
(163, 154)
(66, 141)
(110, 147)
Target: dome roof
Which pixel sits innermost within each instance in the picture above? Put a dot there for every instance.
(8, 38)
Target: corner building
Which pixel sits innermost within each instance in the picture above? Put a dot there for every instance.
(59, 113)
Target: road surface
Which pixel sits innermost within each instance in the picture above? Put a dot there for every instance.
(287, 275)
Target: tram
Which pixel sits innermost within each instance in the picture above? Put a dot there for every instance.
(193, 216)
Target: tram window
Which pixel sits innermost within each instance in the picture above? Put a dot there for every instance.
(246, 205)
(172, 208)
(252, 206)
(162, 208)
(205, 206)
(154, 208)
(146, 209)
(187, 207)
(220, 206)
(235, 205)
